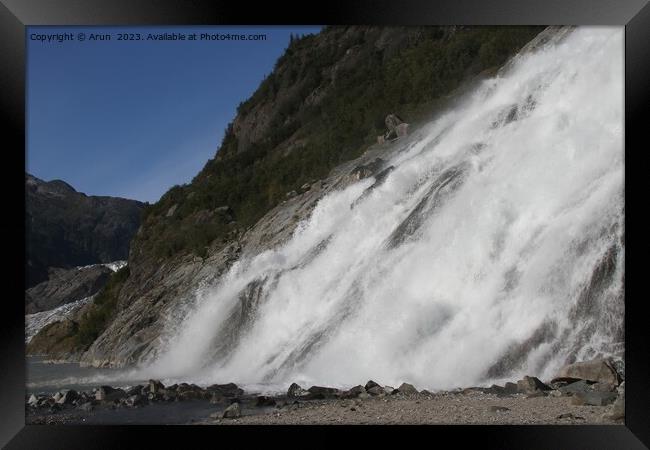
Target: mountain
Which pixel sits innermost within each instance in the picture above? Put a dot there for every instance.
(66, 228)
(309, 131)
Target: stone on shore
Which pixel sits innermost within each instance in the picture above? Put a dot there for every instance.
(232, 412)
(353, 392)
(531, 385)
(68, 397)
(295, 391)
(407, 389)
(320, 392)
(108, 393)
(594, 398)
(597, 371)
(227, 390)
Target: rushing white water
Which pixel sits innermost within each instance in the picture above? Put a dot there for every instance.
(493, 249)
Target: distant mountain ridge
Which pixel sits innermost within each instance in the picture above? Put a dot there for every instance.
(65, 228)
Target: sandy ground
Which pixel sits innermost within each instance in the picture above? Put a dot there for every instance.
(470, 408)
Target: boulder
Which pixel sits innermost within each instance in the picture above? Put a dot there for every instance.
(353, 392)
(295, 391)
(135, 400)
(575, 388)
(107, 394)
(227, 390)
(597, 370)
(407, 389)
(320, 392)
(68, 397)
(232, 412)
(155, 387)
(531, 384)
(594, 398)
(366, 170)
(33, 400)
(376, 391)
(371, 384)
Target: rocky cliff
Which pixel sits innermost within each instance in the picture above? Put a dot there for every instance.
(66, 228)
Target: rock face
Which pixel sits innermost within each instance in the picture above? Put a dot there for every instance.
(65, 286)
(598, 370)
(66, 228)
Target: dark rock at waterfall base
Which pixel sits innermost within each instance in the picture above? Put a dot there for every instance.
(68, 397)
(109, 394)
(295, 391)
(594, 398)
(597, 370)
(232, 412)
(577, 387)
(353, 392)
(531, 385)
(376, 391)
(153, 387)
(226, 390)
(371, 384)
(406, 389)
(320, 392)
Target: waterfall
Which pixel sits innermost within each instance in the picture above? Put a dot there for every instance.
(493, 248)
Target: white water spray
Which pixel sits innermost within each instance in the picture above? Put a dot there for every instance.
(493, 249)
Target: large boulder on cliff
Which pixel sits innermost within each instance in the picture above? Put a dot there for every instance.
(597, 371)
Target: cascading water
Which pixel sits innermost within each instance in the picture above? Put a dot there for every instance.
(492, 249)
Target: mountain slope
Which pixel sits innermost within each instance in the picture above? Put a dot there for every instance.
(66, 228)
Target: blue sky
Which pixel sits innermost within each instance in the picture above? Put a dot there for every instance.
(133, 118)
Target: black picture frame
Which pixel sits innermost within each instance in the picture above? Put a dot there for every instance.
(15, 15)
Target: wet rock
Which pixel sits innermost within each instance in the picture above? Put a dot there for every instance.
(353, 392)
(155, 387)
(295, 391)
(575, 388)
(135, 400)
(530, 385)
(68, 397)
(594, 398)
(376, 391)
(371, 384)
(407, 389)
(227, 390)
(107, 394)
(232, 412)
(597, 370)
(33, 400)
(320, 392)
(57, 396)
(510, 388)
